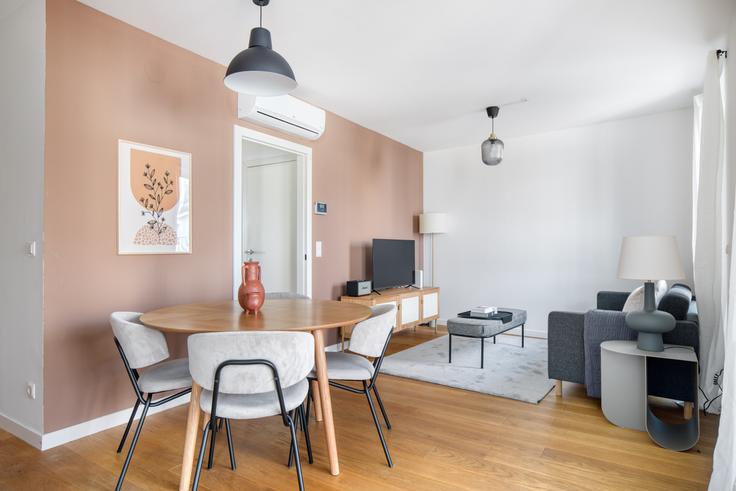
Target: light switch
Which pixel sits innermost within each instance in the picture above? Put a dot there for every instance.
(318, 249)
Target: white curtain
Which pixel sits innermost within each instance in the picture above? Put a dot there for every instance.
(711, 230)
(724, 457)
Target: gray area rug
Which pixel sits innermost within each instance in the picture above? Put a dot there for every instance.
(510, 370)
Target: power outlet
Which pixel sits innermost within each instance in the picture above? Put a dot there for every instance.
(31, 390)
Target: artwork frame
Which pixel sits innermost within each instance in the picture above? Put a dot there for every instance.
(154, 200)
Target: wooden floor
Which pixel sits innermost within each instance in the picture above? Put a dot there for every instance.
(443, 439)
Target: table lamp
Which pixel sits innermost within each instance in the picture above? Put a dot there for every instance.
(432, 224)
(650, 258)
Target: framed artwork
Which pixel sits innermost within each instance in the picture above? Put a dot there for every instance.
(154, 200)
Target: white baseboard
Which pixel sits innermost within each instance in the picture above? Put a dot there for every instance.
(26, 434)
(71, 433)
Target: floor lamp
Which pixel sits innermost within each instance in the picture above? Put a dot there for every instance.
(432, 224)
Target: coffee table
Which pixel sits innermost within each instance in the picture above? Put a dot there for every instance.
(485, 328)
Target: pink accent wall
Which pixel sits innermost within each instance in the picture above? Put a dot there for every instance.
(105, 81)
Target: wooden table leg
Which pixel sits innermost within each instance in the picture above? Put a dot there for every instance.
(190, 438)
(320, 363)
(317, 401)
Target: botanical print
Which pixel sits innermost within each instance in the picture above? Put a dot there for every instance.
(153, 200)
(154, 181)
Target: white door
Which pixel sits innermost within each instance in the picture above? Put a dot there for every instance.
(272, 220)
(270, 216)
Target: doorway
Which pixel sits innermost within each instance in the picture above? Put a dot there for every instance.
(272, 211)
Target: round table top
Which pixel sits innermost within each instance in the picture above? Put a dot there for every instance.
(275, 315)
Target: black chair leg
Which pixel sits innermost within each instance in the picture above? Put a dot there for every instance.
(378, 426)
(133, 443)
(295, 446)
(482, 347)
(127, 428)
(380, 405)
(309, 402)
(305, 429)
(230, 444)
(211, 459)
(200, 458)
(292, 415)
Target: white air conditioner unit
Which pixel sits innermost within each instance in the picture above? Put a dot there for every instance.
(284, 113)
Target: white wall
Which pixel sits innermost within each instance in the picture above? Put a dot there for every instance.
(22, 57)
(542, 230)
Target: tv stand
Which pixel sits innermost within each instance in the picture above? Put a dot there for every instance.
(414, 305)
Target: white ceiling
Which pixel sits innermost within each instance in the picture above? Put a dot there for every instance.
(422, 71)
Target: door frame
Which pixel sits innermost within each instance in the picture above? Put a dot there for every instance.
(304, 199)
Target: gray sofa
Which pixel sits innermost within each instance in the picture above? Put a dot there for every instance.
(574, 342)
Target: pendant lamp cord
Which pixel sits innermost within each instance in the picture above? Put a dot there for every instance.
(493, 125)
(260, 10)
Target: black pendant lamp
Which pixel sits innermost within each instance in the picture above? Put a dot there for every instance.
(492, 149)
(259, 70)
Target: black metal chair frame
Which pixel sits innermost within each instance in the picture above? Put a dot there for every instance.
(141, 398)
(287, 417)
(366, 390)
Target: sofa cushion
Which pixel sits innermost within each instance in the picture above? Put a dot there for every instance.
(677, 301)
(635, 301)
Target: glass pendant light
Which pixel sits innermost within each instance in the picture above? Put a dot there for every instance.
(492, 149)
(259, 70)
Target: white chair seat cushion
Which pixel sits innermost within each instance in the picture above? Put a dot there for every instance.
(168, 375)
(346, 366)
(253, 406)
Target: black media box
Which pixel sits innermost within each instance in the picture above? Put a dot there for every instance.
(357, 288)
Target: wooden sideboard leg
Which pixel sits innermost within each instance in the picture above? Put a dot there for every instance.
(559, 388)
(687, 410)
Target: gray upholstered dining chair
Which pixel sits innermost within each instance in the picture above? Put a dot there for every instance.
(369, 338)
(252, 375)
(141, 347)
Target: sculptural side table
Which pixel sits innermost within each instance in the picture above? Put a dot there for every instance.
(624, 393)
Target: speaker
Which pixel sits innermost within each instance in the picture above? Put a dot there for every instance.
(357, 288)
(419, 278)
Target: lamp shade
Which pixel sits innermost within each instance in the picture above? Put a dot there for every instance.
(650, 258)
(433, 223)
(491, 151)
(259, 70)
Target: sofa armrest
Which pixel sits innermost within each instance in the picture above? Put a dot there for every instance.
(611, 300)
(601, 325)
(685, 333)
(565, 348)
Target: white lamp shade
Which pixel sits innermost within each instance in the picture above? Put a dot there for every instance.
(433, 223)
(650, 258)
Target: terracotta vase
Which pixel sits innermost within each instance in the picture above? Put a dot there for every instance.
(251, 293)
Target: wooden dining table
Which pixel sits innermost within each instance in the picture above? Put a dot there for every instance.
(313, 316)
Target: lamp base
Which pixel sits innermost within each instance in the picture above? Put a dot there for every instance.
(650, 341)
(650, 326)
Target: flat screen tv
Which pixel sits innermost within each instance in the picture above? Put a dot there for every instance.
(393, 263)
